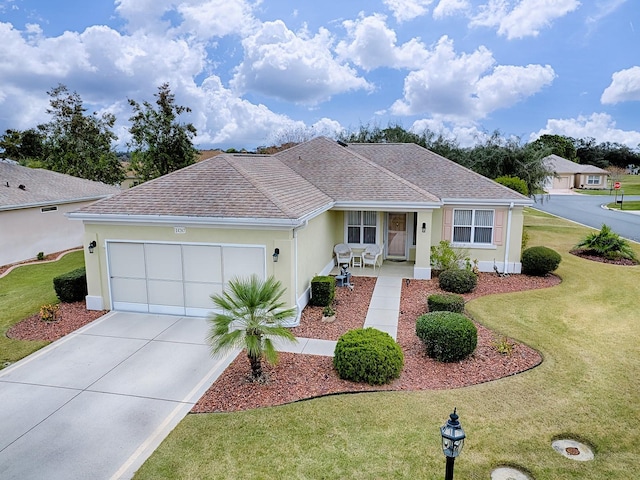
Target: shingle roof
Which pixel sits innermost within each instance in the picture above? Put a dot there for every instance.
(439, 176)
(562, 165)
(298, 182)
(226, 186)
(44, 187)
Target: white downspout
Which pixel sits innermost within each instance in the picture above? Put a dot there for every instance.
(295, 270)
(508, 239)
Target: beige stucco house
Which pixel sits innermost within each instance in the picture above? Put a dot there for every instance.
(165, 246)
(569, 175)
(33, 204)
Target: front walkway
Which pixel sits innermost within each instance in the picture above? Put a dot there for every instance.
(383, 313)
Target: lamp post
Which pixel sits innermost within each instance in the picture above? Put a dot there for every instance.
(452, 441)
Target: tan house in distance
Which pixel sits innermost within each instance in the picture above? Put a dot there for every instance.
(165, 246)
(33, 204)
(570, 175)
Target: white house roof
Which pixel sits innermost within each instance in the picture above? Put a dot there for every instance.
(300, 182)
(24, 187)
(561, 165)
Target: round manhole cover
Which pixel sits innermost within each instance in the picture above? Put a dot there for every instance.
(508, 473)
(573, 450)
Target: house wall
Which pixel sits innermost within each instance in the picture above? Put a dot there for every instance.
(315, 244)
(507, 234)
(96, 263)
(582, 179)
(25, 232)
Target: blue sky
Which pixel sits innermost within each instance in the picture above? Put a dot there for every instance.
(254, 72)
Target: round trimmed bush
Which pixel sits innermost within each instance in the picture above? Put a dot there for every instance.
(445, 302)
(457, 280)
(540, 260)
(368, 355)
(448, 336)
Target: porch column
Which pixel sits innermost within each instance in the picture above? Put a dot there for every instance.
(422, 268)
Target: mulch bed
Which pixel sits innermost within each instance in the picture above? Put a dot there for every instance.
(596, 258)
(297, 377)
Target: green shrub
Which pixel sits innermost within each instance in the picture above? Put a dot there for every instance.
(457, 281)
(445, 257)
(323, 290)
(514, 183)
(445, 302)
(368, 355)
(40, 256)
(540, 260)
(71, 286)
(448, 336)
(607, 244)
(49, 312)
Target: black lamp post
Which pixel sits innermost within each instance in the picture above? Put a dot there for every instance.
(452, 440)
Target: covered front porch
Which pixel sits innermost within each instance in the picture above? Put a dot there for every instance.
(389, 268)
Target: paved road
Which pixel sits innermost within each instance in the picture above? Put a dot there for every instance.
(587, 210)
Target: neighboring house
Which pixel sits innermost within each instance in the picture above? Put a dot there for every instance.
(165, 246)
(569, 175)
(33, 203)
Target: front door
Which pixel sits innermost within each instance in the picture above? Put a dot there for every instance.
(397, 236)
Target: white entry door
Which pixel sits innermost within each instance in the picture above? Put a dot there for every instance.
(176, 278)
(397, 236)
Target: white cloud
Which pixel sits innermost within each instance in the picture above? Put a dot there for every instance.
(217, 18)
(447, 8)
(525, 19)
(371, 44)
(467, 86)
(465, 134)
(625, 87)
(404, 10)
(600, 126)
(604, 9)
(294, 67)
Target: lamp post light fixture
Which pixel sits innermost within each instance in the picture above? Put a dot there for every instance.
(92, 245)
(452, 441)
(276, 254)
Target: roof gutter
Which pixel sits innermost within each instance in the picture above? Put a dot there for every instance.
(489, 201)
(54, 202)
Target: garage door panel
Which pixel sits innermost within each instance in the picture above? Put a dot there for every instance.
(164, 262)
(202, 263)
(127, 260)
(162, 292)
(198, 295)
(242, 262)
(132, 290)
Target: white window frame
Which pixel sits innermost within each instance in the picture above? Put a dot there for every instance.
(472, 225)
(361, 226)
(593, 179)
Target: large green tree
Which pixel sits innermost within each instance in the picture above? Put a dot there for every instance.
(78, 144)
(252, 316)
(160, 143)
(559, 145)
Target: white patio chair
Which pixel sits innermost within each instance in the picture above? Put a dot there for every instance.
(371, 255)
(343, 254)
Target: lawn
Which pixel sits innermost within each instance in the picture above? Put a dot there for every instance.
(630, 185)
(625, 205)
(22, 292)
(586, 389)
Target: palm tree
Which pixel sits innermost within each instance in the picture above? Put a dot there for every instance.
(252, 314)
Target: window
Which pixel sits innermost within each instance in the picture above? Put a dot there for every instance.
(361, 227)
(48, 209)
(593, 180)
(473, 226)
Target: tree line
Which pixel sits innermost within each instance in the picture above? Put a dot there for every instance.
(81, 144)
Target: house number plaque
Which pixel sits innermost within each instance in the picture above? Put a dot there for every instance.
(179, 230)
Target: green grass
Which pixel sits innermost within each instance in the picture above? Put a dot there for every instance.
(625, 206)
(22, 292)
(630, 185)
(587, 389)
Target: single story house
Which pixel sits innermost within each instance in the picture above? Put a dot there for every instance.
(569, 175)
(165, 246)
(33, 204)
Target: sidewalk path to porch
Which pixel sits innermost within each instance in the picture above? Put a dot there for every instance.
(383, 313)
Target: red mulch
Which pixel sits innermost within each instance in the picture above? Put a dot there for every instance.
(298, 377)
(597, 258)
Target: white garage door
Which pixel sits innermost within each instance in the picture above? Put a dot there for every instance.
(176, 278)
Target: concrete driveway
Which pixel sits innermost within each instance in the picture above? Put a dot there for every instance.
(96, 403)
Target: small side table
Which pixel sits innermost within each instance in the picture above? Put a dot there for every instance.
(356, 260)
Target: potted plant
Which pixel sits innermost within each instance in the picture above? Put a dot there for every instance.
(328, 314)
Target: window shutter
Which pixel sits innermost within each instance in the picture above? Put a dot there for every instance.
(447, 223)
(498, 227)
